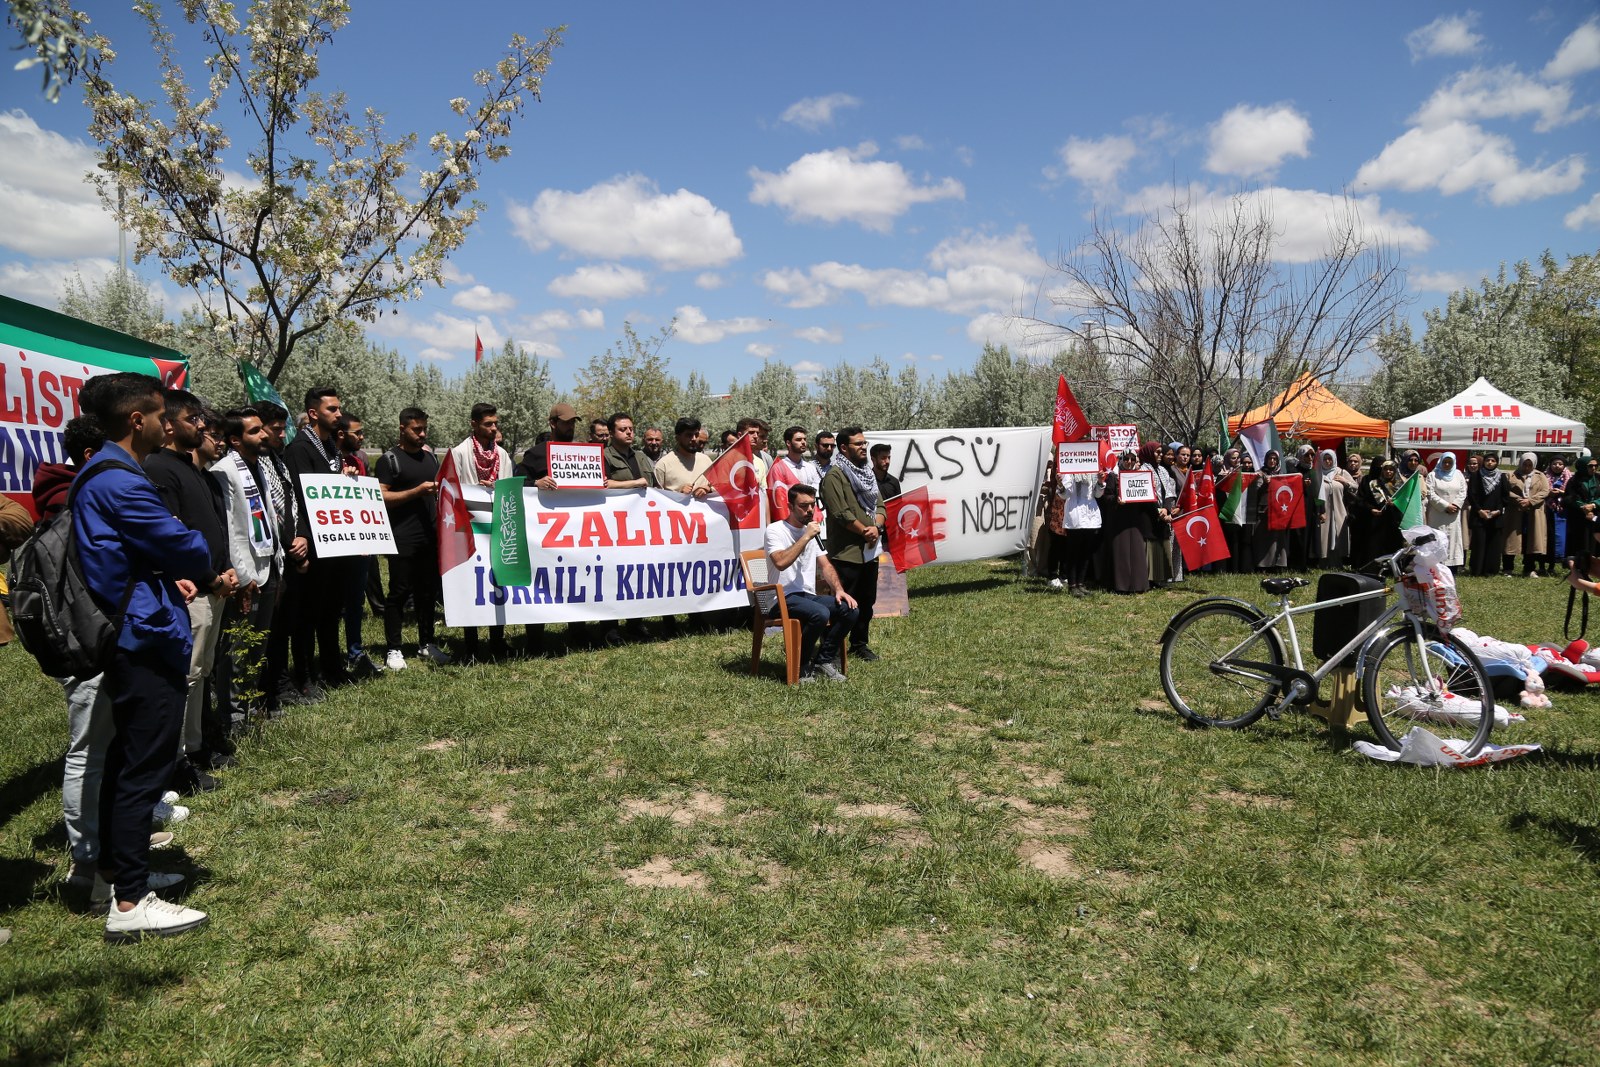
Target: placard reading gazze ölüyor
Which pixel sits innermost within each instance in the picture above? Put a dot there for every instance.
(577, 466)
(347, 516)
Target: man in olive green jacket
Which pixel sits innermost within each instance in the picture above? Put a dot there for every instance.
(855, 512)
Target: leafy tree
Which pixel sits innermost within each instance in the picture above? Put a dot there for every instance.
(119, 302)
(631, 376)
(59, 39)
(518, 384)
(1566, 309)
(321, 230)
(1194, 309)
(698, 401)
(773, 393)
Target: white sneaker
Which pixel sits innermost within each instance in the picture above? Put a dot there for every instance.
(161, 839)
(396, 660)
(103, 889)
(152, 916)
(168, 812)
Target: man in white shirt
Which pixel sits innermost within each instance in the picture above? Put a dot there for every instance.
(796, 561)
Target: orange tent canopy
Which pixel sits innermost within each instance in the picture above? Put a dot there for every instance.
(1314, 413)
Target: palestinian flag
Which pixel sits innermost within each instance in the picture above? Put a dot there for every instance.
(1258, 439)
(1230, 495)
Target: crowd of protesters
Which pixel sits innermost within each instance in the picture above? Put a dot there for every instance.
(1522, 521)
(196, 524)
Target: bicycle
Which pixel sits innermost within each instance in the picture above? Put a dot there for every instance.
(1223, 661)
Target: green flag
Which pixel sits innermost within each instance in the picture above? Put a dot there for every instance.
(1409, 500)
(257, 389)
(1224, 442)
(508, 536)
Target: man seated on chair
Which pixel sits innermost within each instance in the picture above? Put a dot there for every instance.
(797, 561)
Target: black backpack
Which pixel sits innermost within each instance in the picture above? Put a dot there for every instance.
(55, 616)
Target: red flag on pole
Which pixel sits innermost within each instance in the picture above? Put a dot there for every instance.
(910, 523)
(1070, 425)
(477, 356)
(779, 479)
(1199, 490)
(1286, 509)
(734, 478)
(1199, 535)
(456, 543)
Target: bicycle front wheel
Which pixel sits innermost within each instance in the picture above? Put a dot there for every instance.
(1427, 678)
(1199, 668)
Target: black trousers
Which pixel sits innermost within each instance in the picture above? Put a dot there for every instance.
(1488, 546)
(415, 576)
(860, 581)
(312, 608)
(147, 695)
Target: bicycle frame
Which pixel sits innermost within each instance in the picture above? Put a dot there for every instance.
(1286, 613)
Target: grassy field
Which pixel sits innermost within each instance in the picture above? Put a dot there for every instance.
(997, 844)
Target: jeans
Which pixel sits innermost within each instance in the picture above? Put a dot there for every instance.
(146, 696)
(89, 731)
(821, 617)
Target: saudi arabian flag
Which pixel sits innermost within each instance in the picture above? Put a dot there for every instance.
(257, 389)
(1409, 500)
(509, 561)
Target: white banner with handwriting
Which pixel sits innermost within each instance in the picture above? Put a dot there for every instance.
(604, 554)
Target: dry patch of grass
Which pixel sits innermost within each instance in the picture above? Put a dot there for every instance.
(659, 873)
(443, 744)
(681, 810)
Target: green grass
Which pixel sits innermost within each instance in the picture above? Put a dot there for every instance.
(998, 844)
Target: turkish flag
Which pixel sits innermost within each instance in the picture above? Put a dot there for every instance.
(1070, 425)
(477, 355)
(1199, 535)
(456, 543)
(779, 479)
(1286, 509)
(734, 478)
(1199, 490)
(910, 521)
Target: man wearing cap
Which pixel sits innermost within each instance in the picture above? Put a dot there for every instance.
(535, 465)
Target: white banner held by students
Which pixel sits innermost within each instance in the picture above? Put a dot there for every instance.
(982, 484)
(604, 554)
(347, 516)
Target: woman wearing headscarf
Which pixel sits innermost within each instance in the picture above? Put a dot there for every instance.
(1333, 535)
(1527, 530)
(1354, 519)
(1179, 469)
(1486, 508)
(1556, 505)
(1271, 546)
(1160, 541)
(1447, 500)
(1073, 519)
(1235, 526)
(1583, 508)
(1125, 529)
(1305, 544)
(1386, 535)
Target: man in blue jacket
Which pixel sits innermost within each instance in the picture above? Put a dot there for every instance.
(133, 549)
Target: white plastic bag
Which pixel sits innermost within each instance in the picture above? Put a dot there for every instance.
(1423, 748)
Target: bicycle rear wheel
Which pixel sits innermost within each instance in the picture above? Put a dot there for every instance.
(1435, 680)
(1195, 672)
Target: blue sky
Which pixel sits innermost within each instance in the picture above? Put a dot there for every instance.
(832, 182)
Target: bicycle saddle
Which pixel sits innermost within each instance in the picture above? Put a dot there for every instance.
(1279, 586)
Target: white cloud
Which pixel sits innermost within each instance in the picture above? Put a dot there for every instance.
(1498, 93)
(815, 112)
(1013, 251)
(807, 371)
(936, 358)
(965, 156)
(1441, 281)
(41, 281)
(1096, 163)
(443, 337)
(847, 185)
(820, 335)
(709, 280)
(1252, 142)
(1460, 156)
(483, 298)
(49, 209)
(454, 275)
(604, 281)
(1023, 336)
(759, 350)
(591, 319)
(1447, 35)
(910, 142)
(696, 329)
(1578, 54)
(629, 217)
(1584, 215)
(1301, 217)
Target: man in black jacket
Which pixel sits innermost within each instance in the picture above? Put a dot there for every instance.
(312, 601)
(195, 500)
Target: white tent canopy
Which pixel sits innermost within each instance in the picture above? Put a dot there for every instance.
(1482, 417)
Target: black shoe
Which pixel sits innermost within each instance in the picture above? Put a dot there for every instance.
(220, 761)
(360, 667)
(614, 637)
(865, 654)
(190, 780)
(435, 655)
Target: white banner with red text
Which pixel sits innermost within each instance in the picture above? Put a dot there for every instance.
(604, 554)
(983, 485)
